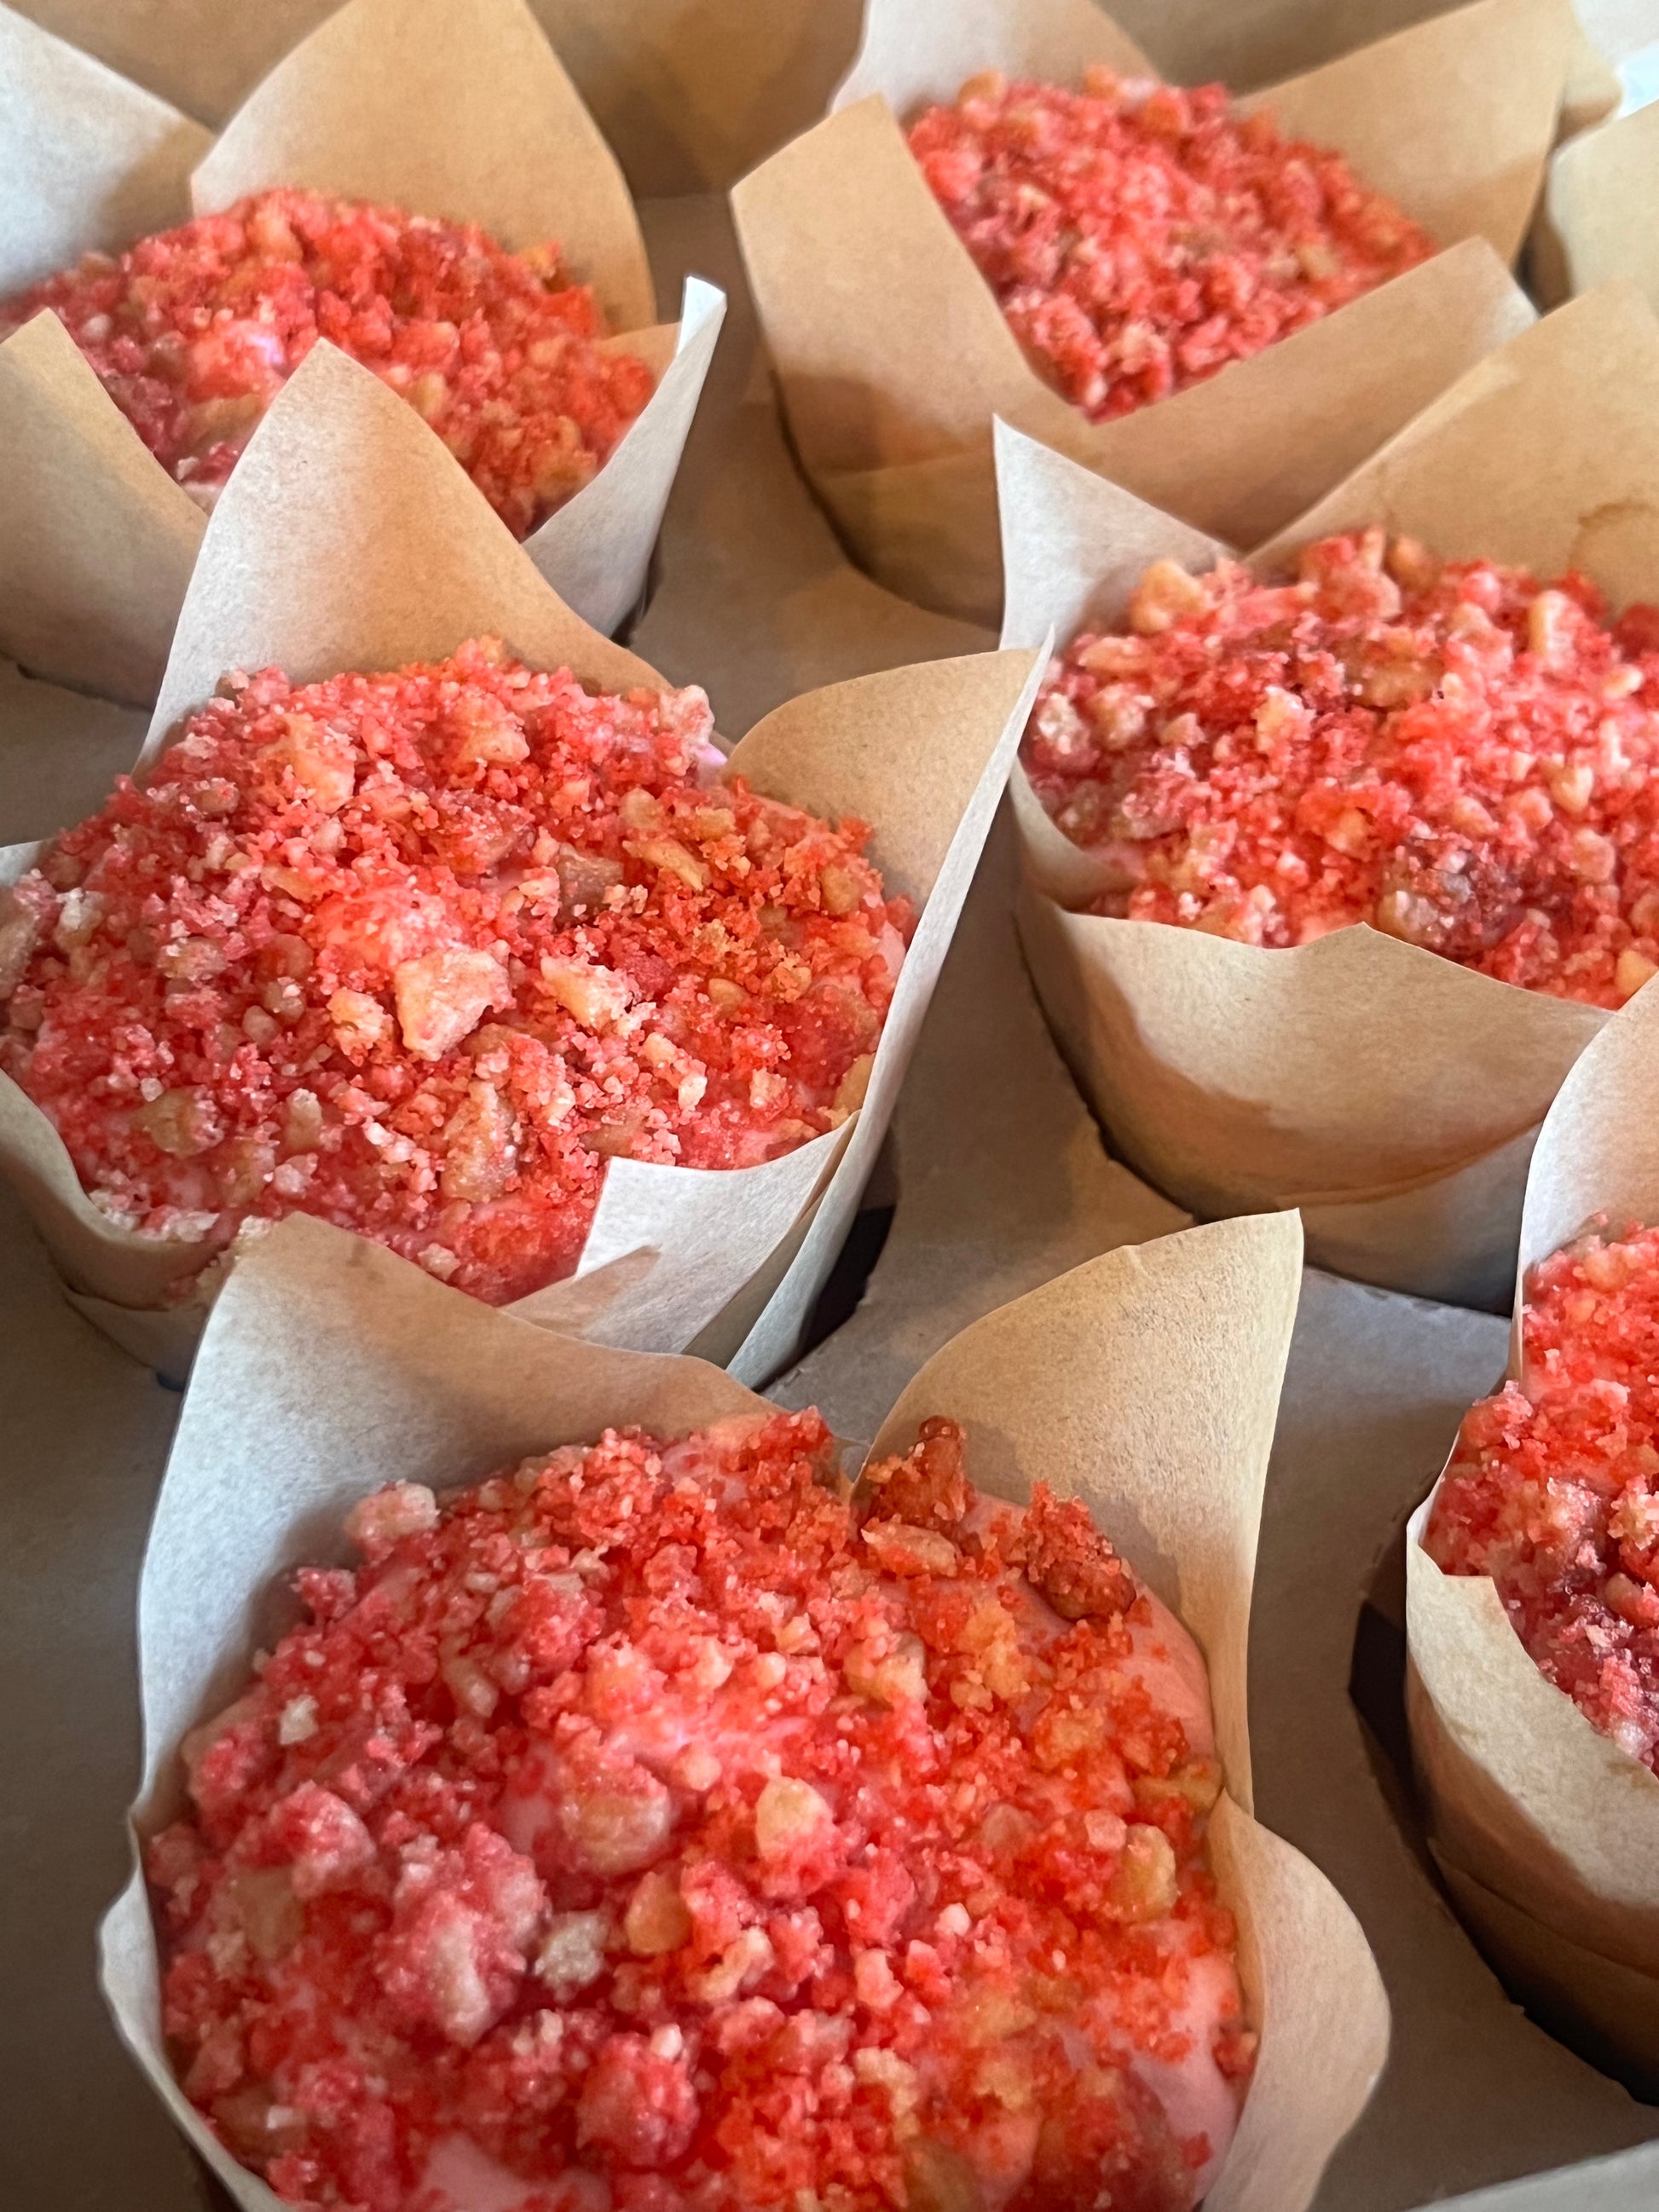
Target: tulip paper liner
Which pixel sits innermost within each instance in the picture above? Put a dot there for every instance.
(457, 108)
(1547, 1831)
(1597, 220)
(1391, 1094)
(1145, 1381)
(894, 355)
(404, 562)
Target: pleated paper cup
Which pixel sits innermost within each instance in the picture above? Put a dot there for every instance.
(1145, 1382)
(1390, 1094)
(403, 561)
(1546, 1832)
(457, 108)
(1599, 217)
(893, 355)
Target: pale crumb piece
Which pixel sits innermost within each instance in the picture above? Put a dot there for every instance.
(789, 1816)
(572, 1955)
(297, 1722)
(387, 1516)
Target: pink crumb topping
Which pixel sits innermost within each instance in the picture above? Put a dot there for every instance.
(1551, 1491)
(194, 331)
(418, 953)
(1449, 751)
(1139, 237)
(650, 1828)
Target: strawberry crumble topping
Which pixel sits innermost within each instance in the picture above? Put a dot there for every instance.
(653, 1827)
(194, 331)
(1551, 1491)
(1139, 237)
(1451, 752)
(417, 952)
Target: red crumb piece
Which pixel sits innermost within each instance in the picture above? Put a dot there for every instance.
(625, 1833)
(1139, 237)
(193, 333)
(1551, 1491)
(417, 952)
(1451, 752)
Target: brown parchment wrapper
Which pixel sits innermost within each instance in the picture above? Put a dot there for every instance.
(1547, 1833)
(690, 92)
(59, 752)
(1391, 1094)
(1600, 211)
(690, 96)
(1144, 1382)
(893, 355)
(453, 107)
(404, 562)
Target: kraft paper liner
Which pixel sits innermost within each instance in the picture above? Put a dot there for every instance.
(475, 118)
(1144, 1382)
(1546, 455)
(690, 96)
(1298, 417)
(1572, 1991)
(1357, 1070)
(1449, 1238)
(453, 107)
(204, 57)
(893, 355)
(914, 53)
(1236, 1080)
(403, 561)
(86, 159)
(59, 752)
(97, 541)
(1598, 218)
(689, 93)
(1526, 1800)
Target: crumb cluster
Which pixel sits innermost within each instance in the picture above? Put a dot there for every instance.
(1139, 236)
(1450, 751)
(419, 952)
(194, 331)
(1553, 1489)
(653, 1829)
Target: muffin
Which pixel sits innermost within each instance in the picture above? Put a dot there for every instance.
(193, 332)
(1447, 750)
(1550, 1491)
(1140, 236)
(418, 953)
(654, 1824)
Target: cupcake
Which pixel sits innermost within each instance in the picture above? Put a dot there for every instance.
(1221, 304)
(1533, 1607)
(193, 332)
(1139, 236)
(1450, 751)
(390, 191)
(1551, 1490)
(658, 1822)
(485, 950)
(1338, 855)
(419, 952)
(650, 1825)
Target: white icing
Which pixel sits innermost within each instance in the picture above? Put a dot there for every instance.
(461, 2177)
